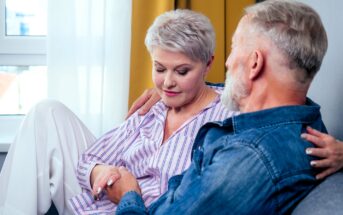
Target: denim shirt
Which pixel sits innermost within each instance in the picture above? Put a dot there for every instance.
(253, 163)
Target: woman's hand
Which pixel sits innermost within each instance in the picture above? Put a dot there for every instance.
(103, 176)
(328, 149)
(126, 183)
(144, 102)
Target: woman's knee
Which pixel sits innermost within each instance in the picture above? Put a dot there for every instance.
(50, 107)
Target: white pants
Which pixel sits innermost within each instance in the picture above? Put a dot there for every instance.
(40, 165)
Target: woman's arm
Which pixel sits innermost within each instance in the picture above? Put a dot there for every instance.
(96, 163)
(328, 149)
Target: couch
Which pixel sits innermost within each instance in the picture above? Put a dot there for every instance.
(325, 199)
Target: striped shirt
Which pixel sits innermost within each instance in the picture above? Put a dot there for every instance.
(137, 145)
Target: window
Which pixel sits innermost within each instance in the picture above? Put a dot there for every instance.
(23, 69)
(21, 87)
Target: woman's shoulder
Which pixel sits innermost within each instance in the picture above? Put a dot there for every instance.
(157, 110)
(216, 110)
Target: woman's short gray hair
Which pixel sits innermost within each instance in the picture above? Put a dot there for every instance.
(185, 31)
(296, 29)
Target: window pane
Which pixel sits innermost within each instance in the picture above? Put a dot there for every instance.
(21, 87)
(26, 17)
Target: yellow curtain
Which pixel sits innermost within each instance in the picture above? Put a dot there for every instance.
(224, 15)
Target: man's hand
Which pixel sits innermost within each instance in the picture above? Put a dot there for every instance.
(126, 183)
(328, 149)
(103, 176)
(144, 103)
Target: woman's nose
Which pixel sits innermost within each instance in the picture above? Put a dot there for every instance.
(169, 80)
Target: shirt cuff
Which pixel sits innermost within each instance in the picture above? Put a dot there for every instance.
(90, 167)
(131, 203)
(84, 171)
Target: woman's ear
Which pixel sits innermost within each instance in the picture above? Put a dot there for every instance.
(256, 64)
(209, 64)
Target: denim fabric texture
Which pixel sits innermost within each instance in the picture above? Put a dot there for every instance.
(253, 163)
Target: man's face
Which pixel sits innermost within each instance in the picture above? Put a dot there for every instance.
(236, 87)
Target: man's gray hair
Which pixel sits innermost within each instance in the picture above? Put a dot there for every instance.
(296, 29)
(185, 31)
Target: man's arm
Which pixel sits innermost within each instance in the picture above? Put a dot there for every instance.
(144, 102)
(235, 181)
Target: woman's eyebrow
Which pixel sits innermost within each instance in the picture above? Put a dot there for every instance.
(183, 65)
(158, 63)
(176, 67)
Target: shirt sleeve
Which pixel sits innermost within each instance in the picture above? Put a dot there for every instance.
(108, 149)
(231, 180)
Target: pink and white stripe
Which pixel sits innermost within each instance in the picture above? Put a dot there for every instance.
(137, 145)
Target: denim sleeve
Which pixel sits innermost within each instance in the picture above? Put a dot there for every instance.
(131, 203)
(232, 180)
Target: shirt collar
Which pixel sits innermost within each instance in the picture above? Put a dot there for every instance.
(298, 113)
(160, 107)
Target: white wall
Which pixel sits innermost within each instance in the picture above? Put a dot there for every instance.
(327, 87)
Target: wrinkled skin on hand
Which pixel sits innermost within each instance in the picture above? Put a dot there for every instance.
(127, 182)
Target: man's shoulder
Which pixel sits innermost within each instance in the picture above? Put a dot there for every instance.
(277, 155)
(280, 148)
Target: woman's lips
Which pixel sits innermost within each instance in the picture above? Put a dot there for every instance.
(171, 93)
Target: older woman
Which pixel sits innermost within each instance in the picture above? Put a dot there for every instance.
(158, 145)
(154, 147)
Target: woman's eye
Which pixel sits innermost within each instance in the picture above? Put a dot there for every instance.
(160, 70)
(182, 71)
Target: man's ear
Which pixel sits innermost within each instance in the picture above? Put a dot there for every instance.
(256, 64)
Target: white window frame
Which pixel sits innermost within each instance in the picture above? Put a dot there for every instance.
(17, 51)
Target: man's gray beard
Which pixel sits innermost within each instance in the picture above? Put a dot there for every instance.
(234, 91)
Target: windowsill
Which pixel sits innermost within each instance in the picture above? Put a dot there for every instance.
(9, 125)
(4, 144)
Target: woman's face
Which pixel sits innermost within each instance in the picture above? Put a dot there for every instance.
(178, 79)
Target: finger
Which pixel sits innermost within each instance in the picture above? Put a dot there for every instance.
(148, 104)
(313, 139)
(315, 132)
(318, 152)
(96, 193)
(132, 109)
(99, 186)
(321, 163)
(122, 169)
(325, 173)
(139, 103)
(113, 179)
(96, 190)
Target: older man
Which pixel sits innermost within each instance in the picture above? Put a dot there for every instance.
(254, 162)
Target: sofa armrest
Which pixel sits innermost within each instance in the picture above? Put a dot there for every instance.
(326, 198)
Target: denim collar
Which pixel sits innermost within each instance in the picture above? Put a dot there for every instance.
(280, 115)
